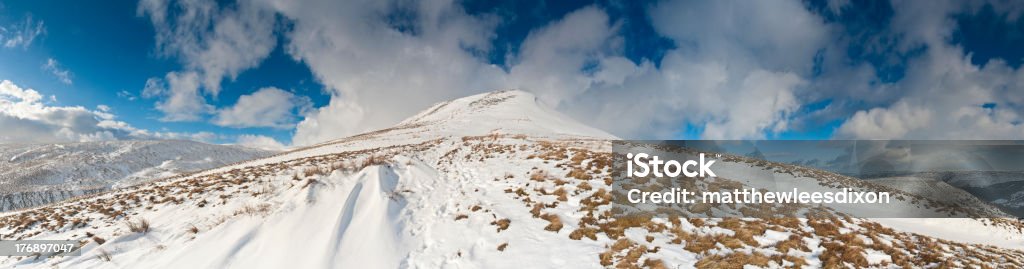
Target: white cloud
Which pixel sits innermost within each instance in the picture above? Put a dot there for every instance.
(779, 35)
(943, 95)
(267, 107)
(947, 97)
(12, 93)
(755, 64)
(21, 34)
(202, 136)
(741, 79)
(27, 119)
(886, 123)
(378, 75)
(128, 95)
(763, 102)
(212, 40)
(551, 57)
(739, 69)
(180, 97)
(260, 142)
(738, 72)
(154, 88)
(52, 66)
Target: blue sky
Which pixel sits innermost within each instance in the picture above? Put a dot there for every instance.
(274, 73)
(114, 52)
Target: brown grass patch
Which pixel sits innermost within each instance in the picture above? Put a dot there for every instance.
(98, 240)
(733, 260)
(793, 242)
(824, 228)
(140, 226)
(614, 229)
(536, 210)
(555, 222)
(579, 174)
(562, 194)
(539, 176)
(584, 186)
(701, 244)
(502, 224)
(655, 264)
(582, 232)
(502, 247)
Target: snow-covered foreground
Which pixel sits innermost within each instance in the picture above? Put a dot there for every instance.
(487, 181)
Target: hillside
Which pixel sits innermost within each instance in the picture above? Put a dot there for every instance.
(35, 174)
(494, 180)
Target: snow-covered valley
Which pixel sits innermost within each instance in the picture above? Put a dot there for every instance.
(36, 174)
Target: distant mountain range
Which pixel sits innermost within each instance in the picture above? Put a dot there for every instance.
(35, 174)
(1004, 189)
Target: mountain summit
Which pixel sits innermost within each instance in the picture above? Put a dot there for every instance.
(504, 111)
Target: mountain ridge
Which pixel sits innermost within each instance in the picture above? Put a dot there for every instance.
(35, 174)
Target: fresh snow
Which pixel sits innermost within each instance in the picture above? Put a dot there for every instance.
(959, 229)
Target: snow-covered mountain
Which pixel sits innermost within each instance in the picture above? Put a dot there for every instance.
(35, 174)
(494, 180)
(933, 189)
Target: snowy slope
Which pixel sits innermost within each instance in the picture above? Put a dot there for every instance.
(33, 174)
(487, 181)
(936, 190)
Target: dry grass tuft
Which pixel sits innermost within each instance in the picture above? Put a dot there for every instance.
(562, 194)
(584, 186)
(539, 176)
(579, 174)
(103, 255)
(502, 246)
(536, 210)
(836, 254)
(140, 226)
(655, 264)
(793, 242)
(254, 210)
(733, 260)
(582, 232)
(310, 171)
(824, 228)
(615, 229)
(555, 222)
(502, 224)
